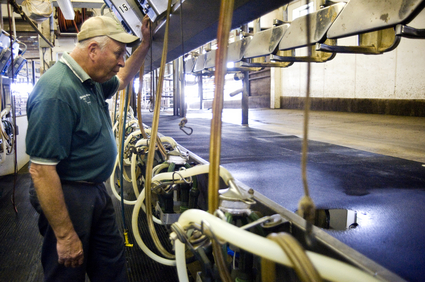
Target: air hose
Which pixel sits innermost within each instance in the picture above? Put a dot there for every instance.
(152, 145)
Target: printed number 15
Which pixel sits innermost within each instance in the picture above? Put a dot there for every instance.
(123, 8)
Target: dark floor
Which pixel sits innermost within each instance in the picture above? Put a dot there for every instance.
(387, 193)
(20, 241)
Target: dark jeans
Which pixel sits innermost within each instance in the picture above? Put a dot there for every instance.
(92, 214)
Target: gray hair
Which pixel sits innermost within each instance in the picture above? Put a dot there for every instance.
(100, 40)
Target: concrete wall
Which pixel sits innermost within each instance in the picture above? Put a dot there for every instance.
(394, 75)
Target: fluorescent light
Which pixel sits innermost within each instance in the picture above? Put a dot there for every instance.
(67, 9)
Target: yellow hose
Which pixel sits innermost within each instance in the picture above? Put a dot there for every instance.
(139, 102)
(120, 121)
(152, 145)
(302, 265)
(224, 24)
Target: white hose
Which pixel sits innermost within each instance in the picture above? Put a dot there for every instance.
(328, 268)
(159, 167)
(181, 261)
(2, 132)
(136, 233)
(133, 175)
(127, 140)
(5, 111)
(114, 190)
(143, 143)
(169, 140)
(195, 170)
(142, 205)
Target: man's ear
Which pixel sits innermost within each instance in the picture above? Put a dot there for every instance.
(93, 49)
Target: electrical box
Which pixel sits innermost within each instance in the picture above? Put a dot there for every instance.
(129, 14)
(155, 8)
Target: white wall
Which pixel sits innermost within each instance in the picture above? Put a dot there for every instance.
(394, 75)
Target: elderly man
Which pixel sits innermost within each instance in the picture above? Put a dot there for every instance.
(72, 152)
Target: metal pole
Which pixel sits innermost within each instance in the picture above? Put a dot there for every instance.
(246, 91)
(181, 86)
(33, 72)
(200, 91)
(245, 98)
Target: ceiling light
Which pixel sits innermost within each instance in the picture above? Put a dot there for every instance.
(67, 9)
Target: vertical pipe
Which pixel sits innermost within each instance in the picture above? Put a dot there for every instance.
(181, 81)
(245, 98)
(200, 91)
(177, 88)
(33, 72)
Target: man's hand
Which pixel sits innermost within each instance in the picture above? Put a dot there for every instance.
(146, 29)
(70, 251)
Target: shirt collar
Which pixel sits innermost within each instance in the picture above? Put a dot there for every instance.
(75, 67)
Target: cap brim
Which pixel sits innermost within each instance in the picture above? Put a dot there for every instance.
(124, 37)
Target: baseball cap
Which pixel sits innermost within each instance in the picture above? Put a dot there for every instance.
(103, 25)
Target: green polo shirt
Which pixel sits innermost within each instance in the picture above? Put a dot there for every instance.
(69, 123)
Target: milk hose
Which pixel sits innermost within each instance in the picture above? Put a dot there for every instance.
(329, 269)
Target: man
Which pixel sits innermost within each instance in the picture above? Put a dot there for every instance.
(72, 152)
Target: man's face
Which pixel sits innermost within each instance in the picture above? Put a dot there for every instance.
(110, 60)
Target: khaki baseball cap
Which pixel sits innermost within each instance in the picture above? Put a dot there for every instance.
(103, 25)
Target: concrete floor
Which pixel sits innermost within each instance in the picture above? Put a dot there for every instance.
(396, 136)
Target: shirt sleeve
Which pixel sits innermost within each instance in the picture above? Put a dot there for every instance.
(51, 123)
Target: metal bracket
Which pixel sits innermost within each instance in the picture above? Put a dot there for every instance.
(375, 42)
(409, 32)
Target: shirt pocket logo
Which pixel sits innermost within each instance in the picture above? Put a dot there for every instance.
(86, 98)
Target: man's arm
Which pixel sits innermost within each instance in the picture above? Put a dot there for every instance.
(49, 191)
(133, 64)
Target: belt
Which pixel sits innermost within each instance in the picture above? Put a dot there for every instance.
(81, 182)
